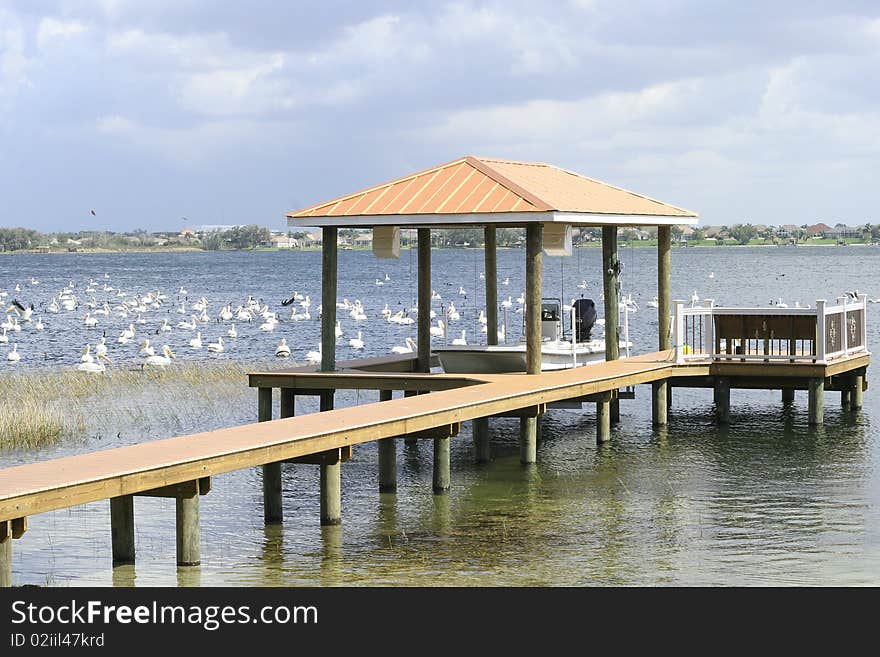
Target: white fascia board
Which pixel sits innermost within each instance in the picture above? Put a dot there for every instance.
(484, 218)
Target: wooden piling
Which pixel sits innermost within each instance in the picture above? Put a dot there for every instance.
(442, 476)
(482, 450)
(615, 411)
(603, 420)
(787, 395)
(423, 326)
(387, 457)
(122, 529)
(528, 428)
(490, 253)
(722, 399)
(664, 300)
(815, 402)
(610, 273)
(659, 404)
(5, 555)
(858, 391)
(188, 538)
(328, 298)
(846, 397)
(331, 479)
(528, 440)
(273, 512)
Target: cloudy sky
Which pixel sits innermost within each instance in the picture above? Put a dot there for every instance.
(225, 112)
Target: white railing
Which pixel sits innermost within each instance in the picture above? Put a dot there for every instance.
(775, 334)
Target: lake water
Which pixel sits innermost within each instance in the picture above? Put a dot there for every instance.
(765, 501)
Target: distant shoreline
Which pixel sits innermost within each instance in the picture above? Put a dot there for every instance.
(596, 244)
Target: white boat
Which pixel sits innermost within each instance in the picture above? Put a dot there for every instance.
(557, 351)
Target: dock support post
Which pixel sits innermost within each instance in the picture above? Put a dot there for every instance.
(858, 391)
(528, 440)
(787, 395)
(188, 539)
(664, 301)
(603, 421)
(659, 403)
(491, 276)
(615, 411)
(610, 284)
(387, 457)
(816, 400)
(846, 397)
(328, 298)
(272, 506)
(482, 451)
(722, 399)
(423, 324)
(5, 555)
(331, 480)
(122, 529)
(441, 466)
(528, 427)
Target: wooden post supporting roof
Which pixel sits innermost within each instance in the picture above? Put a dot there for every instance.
(328, 299)
(660, 389)
(610, 273)
(534, 281)
(424, 317)
(491, 276)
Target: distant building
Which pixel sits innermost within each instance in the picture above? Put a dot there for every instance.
(818, 230)
(214, 228)
(284, 242)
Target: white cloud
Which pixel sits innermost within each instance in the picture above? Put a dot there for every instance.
(13, 61)
(53, 31)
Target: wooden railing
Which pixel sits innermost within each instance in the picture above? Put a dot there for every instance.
(814, 335)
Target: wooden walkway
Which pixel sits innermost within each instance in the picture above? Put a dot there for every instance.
(59, 483)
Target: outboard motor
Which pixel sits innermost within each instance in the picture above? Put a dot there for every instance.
(584, 318)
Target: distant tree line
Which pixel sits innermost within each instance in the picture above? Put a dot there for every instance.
(237, 237)
(20, 239)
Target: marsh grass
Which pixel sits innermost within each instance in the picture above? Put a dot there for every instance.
(39, 408)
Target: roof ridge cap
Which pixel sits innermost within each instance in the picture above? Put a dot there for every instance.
(504, 181)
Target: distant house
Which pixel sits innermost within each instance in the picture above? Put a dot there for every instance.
(818, 230)
(787, 230)
(715, 232)
(364, 239)
(187, 233)
(312, 239)
(687, 233)
(284, 242)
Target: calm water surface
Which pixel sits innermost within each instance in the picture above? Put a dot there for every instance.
(766, 501)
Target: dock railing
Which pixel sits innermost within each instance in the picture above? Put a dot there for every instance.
(776, 334)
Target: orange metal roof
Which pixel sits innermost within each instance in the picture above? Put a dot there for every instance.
(472, 185)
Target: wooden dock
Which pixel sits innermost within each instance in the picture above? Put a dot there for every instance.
(182, 467)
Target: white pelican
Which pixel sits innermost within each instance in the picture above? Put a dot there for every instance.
(232, 333)
(654, 303)
(461, 291)
(3, 337)
(269, 324)
(146, 349)
(507, 303)
(94, 367)
(582, 285)
(502, 333)
(435, 296)
(53, 307)
(695, 299)
(282, 350)
(452, 313)
(8, 323)
(181, 309)
(126, 335)
(160, 361)
(506, 281)
(164, 327)
(438, 331)
(387, 277)
(711, 274)
(39, 325)
(408, 349)
(358, 342)
(521, 299)
(86, 355)
(482, 318)
(226, 313)
(462, 340)
(188, 325)
(379, 283)
(216, 347)
(101, 346)
(338, 330)
(196, 342)
(386, 312)
(13, 355)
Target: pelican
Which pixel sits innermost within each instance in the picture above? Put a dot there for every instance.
(146, 349)
(695, 299)
(94, 367)
(188, 325)
(338, 330)
(3, 337)
(314, 357)
(461, 291)
(452, 314)
(216, 347)
(462, 340)
(506, 281)
(379, 283)
(507, 303)
(101, 346)
(232, 333)
(502, 333)
(181, 309)
(408, 349)
(39, 325)
(13, 355)
(387, 277)
(269, 324)
(160, 361)
(196, 342)
(226, 313)
(358, 342)
(164, 326)
(282, 350)
(126, 335)
(711, 274)
(582, 285)
(86, 355)
(654, 303)
(386, 312)
(438, 331)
